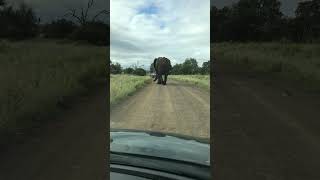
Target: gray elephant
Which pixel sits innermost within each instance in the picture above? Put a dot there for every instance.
(162, 67)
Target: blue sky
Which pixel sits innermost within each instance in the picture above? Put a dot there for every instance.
(142, 30)
(149, 9)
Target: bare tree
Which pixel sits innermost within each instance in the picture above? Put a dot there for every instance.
(82, 18)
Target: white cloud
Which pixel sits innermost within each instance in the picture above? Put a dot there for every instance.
(142, 30)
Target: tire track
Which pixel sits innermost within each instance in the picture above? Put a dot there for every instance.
(176, 108)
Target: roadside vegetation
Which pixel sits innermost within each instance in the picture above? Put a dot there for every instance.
(37, 76)
(83, 24)
(202, 81)
(296, 62)
(263, 20)
(256, 36)
(124, 85)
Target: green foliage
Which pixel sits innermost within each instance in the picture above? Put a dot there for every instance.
(61, 28)
(122, 86)
(205, 69)
(262, 20)
(128, 70)
(115, 68)
(190, 66)
(292, 62)
(93, 32)
(19, 23)
(202, 81)
(140, 72)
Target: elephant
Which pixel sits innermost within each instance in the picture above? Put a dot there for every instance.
(162, 66)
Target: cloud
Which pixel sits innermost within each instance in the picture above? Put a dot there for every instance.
(142, 30)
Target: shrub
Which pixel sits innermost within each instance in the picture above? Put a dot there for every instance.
(59, 29)
(93, 32)
(140, 72)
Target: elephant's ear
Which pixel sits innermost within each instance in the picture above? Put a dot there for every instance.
(154, 64)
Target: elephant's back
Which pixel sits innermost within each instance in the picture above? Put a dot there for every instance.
(163, 63)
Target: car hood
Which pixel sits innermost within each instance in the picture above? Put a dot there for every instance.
(161, 145)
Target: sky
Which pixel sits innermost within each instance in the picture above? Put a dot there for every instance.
(143, 30)
(52, 9)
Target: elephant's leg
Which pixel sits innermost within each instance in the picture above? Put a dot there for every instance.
(159, 79)
(165, 79)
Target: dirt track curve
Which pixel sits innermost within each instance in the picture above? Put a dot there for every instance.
(176, 108)
(264, 129)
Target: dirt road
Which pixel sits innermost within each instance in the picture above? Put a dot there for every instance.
(176, 108)
(264, 128)
(71, 146)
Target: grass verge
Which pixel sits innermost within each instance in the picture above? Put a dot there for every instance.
(288, 61)
(122, 86)
(38, 75)
(202, 81)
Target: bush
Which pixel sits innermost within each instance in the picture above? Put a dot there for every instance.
(128, 70)
(140, 72)
(93, 32)
(20, 23)
(115, 68)
(61, 28)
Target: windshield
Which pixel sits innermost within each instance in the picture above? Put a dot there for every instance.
(159, 67)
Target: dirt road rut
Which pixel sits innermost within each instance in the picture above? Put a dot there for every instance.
(176, 108)
(264, 128)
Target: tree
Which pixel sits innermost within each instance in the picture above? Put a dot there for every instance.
(83, 16)
(307, 20)
(17, 23)
(176, 69)
(61, 28)
(2, 3)
(247, 20)
(128, 70)
(190, 66)
(93, 32)
(115, 68)
(205, 69)
(140, 72)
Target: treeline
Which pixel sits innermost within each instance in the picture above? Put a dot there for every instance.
(190, 66)
(22, 23)
(262, 20)
(17, 23)
(115, 68)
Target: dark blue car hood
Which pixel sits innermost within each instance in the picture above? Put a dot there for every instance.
(161, 145)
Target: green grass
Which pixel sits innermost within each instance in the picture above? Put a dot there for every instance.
(122, 86)
(35, 75)
(202, 81)
(293, 62)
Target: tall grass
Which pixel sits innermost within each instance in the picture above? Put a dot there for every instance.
(122, 86)
(202, 81)
(297, 62)
(36, 75)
